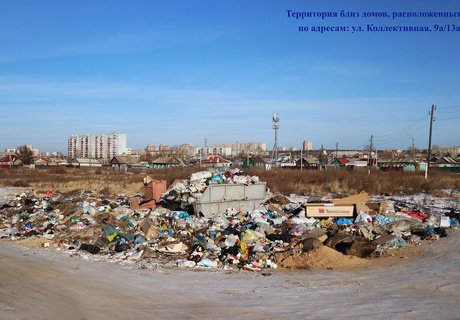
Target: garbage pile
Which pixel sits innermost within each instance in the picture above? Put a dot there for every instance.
(186, 192)
(254, 240)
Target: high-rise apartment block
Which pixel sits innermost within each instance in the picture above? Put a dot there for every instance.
(151, 147)
(307, 145)
(164, 147)
(96, 146)
(237, 148)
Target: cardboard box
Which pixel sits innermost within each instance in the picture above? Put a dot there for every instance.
(325, 210)
(359, 200)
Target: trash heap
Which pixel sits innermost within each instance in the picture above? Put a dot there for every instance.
(186, 192)
(85, 222)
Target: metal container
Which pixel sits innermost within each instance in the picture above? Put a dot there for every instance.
(219, 197)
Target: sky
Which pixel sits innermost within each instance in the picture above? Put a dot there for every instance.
(173, 72)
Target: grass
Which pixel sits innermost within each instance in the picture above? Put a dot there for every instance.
(308, 182)
(285, 181)
(65, 179)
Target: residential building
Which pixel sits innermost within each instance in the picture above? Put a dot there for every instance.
(285, 161)
(184, 150)
(151, 147)
(307, 145)
(9, 161)
(166, 162)
(222, 151)
(308, 162)
(356, 164)
(84, 162)
(43, 162)
(164, 147)
(254, 162)
(124, 163)
(216, 162)
(101, 146)
(404, 165)
(340, 161)
(246, 147)
(446, 162)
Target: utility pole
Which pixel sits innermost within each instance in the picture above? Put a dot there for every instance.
(301, 158)
(370, 150)
(376, 158)
(336, 149)
(370, 155)
(321, 158)
(433, 107)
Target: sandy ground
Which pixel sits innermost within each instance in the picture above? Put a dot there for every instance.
(41, 284)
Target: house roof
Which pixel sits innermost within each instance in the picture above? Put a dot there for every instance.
(447, 160)
(42, 161)
(124, 160)
(86, 160)
(342, 160)
(168, 160)
(310, 160)
(216, 159)
(258, 160)
(409, 158)
(357, 163)
(9, 158)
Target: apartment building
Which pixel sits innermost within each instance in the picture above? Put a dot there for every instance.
(246, 147)
(307, 145)
(96, 146)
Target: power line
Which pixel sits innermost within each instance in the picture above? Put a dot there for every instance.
(433, 108)
(402, 130)
(447, 119)
(450, 107)
(402, 134)
(448, 111)
(399, 139)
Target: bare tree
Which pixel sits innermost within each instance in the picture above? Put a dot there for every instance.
(412, 151)
(25, 154)
(182, 152)
(436, 150)
(147, 156)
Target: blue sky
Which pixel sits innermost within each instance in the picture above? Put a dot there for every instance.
(178, 71)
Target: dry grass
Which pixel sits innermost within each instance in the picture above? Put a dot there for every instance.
(99, 179)
(68, 179)
(285, 181)
(307, 182)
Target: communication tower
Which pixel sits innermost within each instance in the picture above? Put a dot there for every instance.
(276, 126)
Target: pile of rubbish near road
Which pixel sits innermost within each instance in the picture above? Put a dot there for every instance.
(217, 220)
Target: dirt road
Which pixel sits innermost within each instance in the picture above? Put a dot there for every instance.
(38, 284)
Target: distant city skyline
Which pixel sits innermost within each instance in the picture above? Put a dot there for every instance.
(178, 72)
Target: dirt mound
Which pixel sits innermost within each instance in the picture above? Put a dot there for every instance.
(320, 258)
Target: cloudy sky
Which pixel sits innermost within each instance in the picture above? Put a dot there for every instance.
(176, 72)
